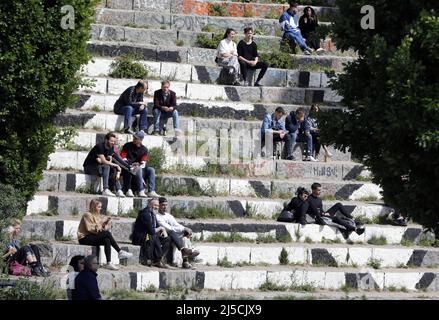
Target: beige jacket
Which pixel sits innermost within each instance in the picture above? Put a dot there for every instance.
(90, 224)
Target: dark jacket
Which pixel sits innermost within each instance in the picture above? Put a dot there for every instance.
(307, 26)
(128, 98)
(86, 286)
(159, 100)
(146, 223)
(293, 125)
(299, 208)
(315, 208)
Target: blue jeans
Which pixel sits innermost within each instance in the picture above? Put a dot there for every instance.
(297, 38)
(147, 172)
(302, 137)
(164, 116)
(128, 112)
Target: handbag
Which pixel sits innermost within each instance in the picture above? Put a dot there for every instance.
(17, 269)
(286, 216)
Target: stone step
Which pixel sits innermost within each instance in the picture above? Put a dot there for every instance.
(256, 278)
(196, 108)
(186, 22)
(236, 9)
(281, 169)
(75, 204)
(199, 56)
(61, 181)
(207, 143)
(99, 67)
(316, 255)
(218, 92)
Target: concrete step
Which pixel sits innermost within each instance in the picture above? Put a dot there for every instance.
(258, 9)
(280, 169)
(218, 92)
(186, 22)
(172, 183)
(99, 67)
(74, 204)
(198, 56)
(239, 254)
(257, 278)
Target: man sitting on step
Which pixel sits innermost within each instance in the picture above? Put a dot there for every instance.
(337, 213)
(99, 163)
(165, 107)
(179, 234)
(299, 130)
(135, 157)
(275, 126)
(130, 103)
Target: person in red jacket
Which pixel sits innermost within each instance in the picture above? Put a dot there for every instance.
(165, 107)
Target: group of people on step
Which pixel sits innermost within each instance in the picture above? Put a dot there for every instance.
(297, 127)
(307, 207)
(238, 59)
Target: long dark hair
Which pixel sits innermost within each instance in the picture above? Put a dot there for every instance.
(313, 13)
(228, 31)
(74, 262)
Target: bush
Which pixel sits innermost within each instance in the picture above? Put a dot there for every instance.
(278, 59)
(39, 61)
(28, 290)
(156, 159)
(218, 10)
(283, 257)
(125, 67)
(204, 41)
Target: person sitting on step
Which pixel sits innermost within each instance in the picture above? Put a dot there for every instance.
(135, 159)
(165, 107)
(337, 213)
(308, 23)
(179, 234)
(152, 238)
(289, 25)
(94, 232)
(86, 283)
(131, 103)
(227, 56)
(314, 130)
(298, 127)
(299, 205)
(99, 163)
(27, 255)
(275, 126)
(249, 58)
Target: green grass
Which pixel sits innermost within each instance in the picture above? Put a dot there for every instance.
(285, 238)
(224, 262)
(374, 263)
(132, 213)
(65, 238)
(378, 241)
(29, 290)
(303, 287)
(232, 237)
(308, 240)
(406, 242)
(330, 241)
(270, 286)
(125, 66)
(265, 238)
(124, 294)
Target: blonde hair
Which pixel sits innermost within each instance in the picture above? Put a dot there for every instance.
(16, 222)
(93, 205)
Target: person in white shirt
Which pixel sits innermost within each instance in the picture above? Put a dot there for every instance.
(179, 234)
(227, 55)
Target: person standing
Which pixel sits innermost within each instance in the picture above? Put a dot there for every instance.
(248, 56)
(86, 284)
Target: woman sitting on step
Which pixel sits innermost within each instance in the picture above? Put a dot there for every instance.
(93, 232)
(18, 257)
(227, 56)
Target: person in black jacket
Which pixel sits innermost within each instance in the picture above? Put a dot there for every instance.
(130, 103)
(249, 58)
(299, 205)
(297, 125)
(147, 229)
(308, 24)
(345, 219)
(86, 284)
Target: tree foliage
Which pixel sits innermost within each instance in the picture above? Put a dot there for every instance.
(39, 61)
(391, 91)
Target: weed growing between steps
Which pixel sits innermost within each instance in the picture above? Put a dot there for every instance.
(378, 241)
(270, 286)
(208, 42)
(210, 170)
(125, 66)
(283, 257)
(374, 263)
(29, 290)
(156, 159)
(200, 213)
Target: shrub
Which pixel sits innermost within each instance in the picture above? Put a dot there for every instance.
(38, 74)
(28, 290)
(218, 10)
(278, 59)
(156, 159)
(283, 257)
(125, 67)
(378, 241)
(204, 41)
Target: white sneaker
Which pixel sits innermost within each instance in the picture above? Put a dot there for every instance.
(120, 194)
(142, 194)
(129, 193)
(320, 50)
(329, 154)
(110, 266)
(124, 254)
(311, 158)
(153, 194)
(108, 193)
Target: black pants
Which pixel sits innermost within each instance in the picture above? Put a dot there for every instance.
(344, 218)
(21, 255)
(176, 241)
(300, 213)
(260, 65)
(104, 238)
(311, 39)
(276, 138)
(317, 144)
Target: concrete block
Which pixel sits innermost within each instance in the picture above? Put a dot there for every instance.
(359, 256)
(284, 278)
(174, 71)
(208, 254)
(297, 255)
(153, 5)
(218, 185)
(205, 74)
(315, 79)
(97, 85)
(332, 96)
(201, 56)
(392, 258)
(118, 205)
(310, 170)
(120, 4)
(115, 17)
(117, 86)
(63, 160)
(50, 182)
(392, 235)
(248, 280)
(274, 78)
(251, 188)
(314, 278)
(367, 190)
(188, 22)
(151, 20)
(218, 280)
(205, 92)
(109, 33)
(85, 139)
(70, 228)
(407, 280)
(293, 78)
(97, 67)
(334, 280)
(153, 68)
(264, 208)
(97, 122)
(234, 254)
(38, 227)
(145, 280)
(265, 255)
(151, 37)
(172, 54)
(283, 95)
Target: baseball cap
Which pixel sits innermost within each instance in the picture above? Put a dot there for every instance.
(139, 135)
